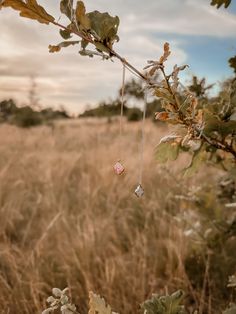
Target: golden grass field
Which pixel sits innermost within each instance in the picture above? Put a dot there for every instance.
(68, 221)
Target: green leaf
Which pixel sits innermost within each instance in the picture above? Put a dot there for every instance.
(65, 33)
(101, 47)
(63, 44)
(167, 151)
(97, 305)
(105, 27)
(92, 53)
(86, 52)
(29, 9)
(66, 7)
(219, 3)
(232, 63)
(84, 43)
(170, 304)
(199, 157)
(213, 124)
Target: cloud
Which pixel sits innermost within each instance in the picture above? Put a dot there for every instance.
(76, 81)
(167, 16)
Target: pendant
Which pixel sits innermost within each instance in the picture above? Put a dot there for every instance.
(118, 168)
(139, 191)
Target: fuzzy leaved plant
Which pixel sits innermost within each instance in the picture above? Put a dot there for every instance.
(170, 304)
(206, 130)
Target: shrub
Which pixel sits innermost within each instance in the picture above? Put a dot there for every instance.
(26, 117)
(134, 114)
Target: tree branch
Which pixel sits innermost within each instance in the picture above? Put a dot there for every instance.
(222, 146)
(111, 51)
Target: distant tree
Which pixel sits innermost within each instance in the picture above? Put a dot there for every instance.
(199, 88)
(33, 94)
(7, 109)
(134, 89)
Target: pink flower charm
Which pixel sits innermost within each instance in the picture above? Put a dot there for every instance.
(139, 191)
(118, 168)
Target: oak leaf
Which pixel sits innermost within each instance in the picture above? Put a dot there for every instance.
(81, 16)
(57, 48)
(219, 3)
(29, 9)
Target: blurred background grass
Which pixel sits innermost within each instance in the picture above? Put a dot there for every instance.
(68, 220)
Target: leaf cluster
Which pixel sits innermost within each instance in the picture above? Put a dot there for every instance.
(94, 27)
(59, 300)
(205, 128)
(99, 29)
(170, 304)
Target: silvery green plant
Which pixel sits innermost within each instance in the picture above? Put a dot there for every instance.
(59, 300)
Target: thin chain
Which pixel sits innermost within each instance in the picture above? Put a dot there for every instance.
(142, 139)
(122, 106)
(132, 72)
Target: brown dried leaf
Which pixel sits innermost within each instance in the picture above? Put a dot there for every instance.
(166, 53)
(170, 117)
(153, 70)
(64, 44)
(29, 9)
(54, 48)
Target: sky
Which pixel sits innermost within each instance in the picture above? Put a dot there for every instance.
(199, 35)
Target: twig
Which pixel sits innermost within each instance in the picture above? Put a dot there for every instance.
(111, 51)
(217, 144)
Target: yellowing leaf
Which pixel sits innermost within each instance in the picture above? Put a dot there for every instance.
(80, 9)
(29, 9)
(97, 305)
(81, 17)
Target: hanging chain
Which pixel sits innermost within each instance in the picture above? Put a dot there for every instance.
(142, 139)
(122, 107)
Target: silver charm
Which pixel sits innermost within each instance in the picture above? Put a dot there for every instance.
(139, 191)
(118, 168)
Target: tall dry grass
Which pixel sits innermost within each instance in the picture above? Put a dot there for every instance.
(68, 220)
